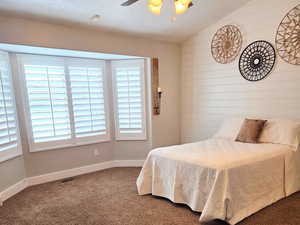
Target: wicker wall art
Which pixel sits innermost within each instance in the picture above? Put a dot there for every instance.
(257, 60)
(288, 37)
(226, 44)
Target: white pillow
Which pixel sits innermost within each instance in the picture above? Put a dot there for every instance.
(285, 132)
(230, 128)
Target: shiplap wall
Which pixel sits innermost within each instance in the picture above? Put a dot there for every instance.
(212, 92)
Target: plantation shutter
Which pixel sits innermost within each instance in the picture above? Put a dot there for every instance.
(87, 88)
(129, 99)
(47, 100)
(9, 137)
(8, 126)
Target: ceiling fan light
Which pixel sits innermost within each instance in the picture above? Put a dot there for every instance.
(181, 6)
(154, 9)
(186, 2)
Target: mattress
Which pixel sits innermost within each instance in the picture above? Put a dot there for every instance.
(221, 178)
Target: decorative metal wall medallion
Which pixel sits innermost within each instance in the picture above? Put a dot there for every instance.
(257, 60)
(288, 37)
(226, 44)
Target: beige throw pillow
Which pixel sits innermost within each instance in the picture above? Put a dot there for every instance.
(250, 131)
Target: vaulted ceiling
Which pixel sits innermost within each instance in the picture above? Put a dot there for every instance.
(135, 20)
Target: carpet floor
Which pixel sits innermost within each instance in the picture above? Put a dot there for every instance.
(110, 197)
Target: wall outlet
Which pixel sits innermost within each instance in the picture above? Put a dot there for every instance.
(96, 152)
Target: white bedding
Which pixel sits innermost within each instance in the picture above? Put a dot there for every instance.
(221, 178)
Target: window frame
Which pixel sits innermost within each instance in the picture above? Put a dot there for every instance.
(130, 137)
(15, 151)
(73, 141)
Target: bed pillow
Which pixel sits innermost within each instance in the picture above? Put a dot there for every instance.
(230, 128)
(250, 131)
(285, 132)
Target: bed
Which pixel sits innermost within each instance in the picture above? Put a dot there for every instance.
(221, 178)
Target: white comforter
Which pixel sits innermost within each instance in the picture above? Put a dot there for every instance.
(222, 179)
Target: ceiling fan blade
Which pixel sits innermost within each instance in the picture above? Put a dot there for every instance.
(129, 2)
(191, 4)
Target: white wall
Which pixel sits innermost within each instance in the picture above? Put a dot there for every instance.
(165, 128)
(11, 172)
(212, 91)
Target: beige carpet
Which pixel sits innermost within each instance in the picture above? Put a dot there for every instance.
(109, 198)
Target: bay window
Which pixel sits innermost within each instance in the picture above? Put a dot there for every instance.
(66, 100)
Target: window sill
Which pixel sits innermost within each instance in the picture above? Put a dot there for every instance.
(4, 156)
(133, 137)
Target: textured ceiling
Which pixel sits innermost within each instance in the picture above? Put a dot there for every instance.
(134, 20)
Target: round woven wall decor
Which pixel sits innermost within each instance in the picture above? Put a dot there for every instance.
(226, 44)
(257, 60)
(288, 37)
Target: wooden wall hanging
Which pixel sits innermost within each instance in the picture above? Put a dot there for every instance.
(288, 37)
(257, 60)
(156, 92)
(226, 44)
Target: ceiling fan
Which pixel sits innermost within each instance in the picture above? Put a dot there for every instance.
(154, 6)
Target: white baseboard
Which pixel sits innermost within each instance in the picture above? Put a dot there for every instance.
(13, 190)
(49, 177)
(45, 178)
